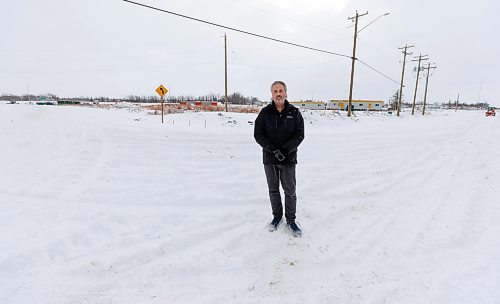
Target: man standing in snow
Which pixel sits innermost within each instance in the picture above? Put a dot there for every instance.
(279, 130)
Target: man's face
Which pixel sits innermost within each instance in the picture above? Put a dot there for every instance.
(279, 94)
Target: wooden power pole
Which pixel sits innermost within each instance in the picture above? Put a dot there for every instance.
(428, 68)
(405, 52)
(353, 58)
(420, 59)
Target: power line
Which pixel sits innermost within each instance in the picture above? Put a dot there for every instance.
(261, 36)
(376, 71)
(237, 30)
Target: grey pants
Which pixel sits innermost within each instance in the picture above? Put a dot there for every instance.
(285, 174)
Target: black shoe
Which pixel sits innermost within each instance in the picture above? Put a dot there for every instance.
(273, 226)
(295, 229)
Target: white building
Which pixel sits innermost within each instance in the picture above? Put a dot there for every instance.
(309, 105)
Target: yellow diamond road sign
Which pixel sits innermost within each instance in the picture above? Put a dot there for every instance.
(161, 90)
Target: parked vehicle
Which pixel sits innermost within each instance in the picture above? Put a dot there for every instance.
(490, 112)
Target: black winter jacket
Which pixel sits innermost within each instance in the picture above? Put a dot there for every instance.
(274, 130)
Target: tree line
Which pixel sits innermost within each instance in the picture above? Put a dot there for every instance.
(393, 101)
(235, 98)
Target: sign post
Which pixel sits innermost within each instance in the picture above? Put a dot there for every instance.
(161, 90)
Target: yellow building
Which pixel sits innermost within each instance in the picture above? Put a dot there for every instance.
(357, 105)
(370, 105)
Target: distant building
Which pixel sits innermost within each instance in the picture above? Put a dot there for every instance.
(44, 101)
(309, 105)
(68, 101)
(205, 103)
(356, 105)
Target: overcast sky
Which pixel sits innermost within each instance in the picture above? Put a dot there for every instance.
(114, 48)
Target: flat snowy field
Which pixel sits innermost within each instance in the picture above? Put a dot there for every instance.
(111, 206)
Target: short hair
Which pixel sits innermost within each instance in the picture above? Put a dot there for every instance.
(278, 82)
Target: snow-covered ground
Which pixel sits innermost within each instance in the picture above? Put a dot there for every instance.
(111, 206)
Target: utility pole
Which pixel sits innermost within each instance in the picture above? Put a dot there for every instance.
(406, 47)
(420, 58)
(428, 68)
(353, 58)
(456, 102)
(225, 72)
